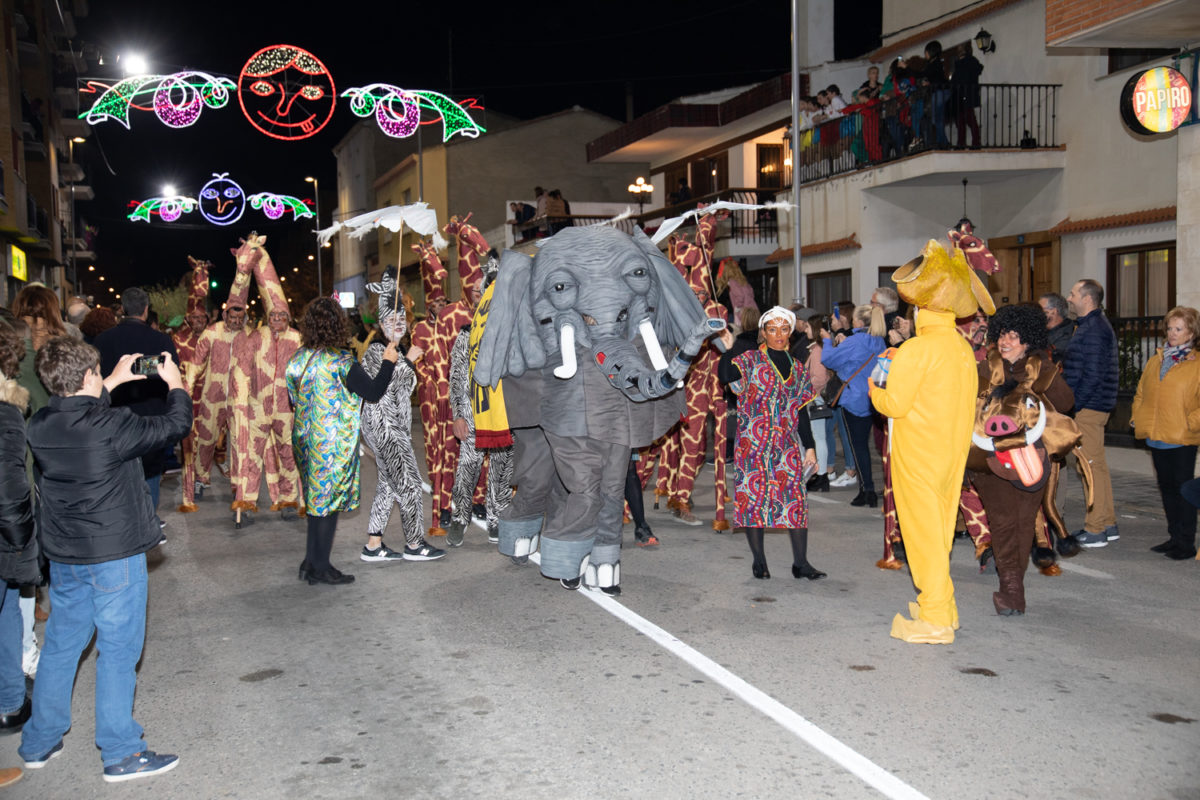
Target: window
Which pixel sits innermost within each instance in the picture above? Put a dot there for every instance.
(1141, 281)
(1120, 58)
(827, 288)
(770, 166)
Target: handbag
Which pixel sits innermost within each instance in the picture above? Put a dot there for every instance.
(819, 412)
(833, 403)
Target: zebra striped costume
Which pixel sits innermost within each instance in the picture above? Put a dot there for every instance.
(470, 459)
(387, 427)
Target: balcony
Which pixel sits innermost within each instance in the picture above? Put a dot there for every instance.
(1009, 117)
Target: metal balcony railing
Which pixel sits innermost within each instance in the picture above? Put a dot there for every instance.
(758, 226)
(939, 117)
(1138, 339)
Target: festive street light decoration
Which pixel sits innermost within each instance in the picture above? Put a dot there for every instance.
(398, 111)
(286, 92)
(176, 99)
(222, 201)
(274, 205)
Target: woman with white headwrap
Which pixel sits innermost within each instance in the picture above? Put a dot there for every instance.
(774, 444)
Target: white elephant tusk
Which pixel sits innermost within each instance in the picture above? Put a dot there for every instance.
(567, 345)
(983, 443)
(1033, 434)
(657, 359)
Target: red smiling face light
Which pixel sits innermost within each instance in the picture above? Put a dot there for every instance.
(286, 92)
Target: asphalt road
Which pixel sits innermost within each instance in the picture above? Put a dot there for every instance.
(473, 677)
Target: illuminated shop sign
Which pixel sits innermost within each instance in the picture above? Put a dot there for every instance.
(17, 266)
(1157, 100)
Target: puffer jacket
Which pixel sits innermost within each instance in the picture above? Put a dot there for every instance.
(95, 505)
(18, 546)
(1168, 410)
(1090, 367)
(847, 359)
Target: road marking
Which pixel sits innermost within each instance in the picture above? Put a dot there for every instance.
(853, 762)
(1091, 573)
(814, 499)
(849, 759)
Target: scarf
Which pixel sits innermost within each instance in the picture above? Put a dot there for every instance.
(1171, 357)
(491, 419)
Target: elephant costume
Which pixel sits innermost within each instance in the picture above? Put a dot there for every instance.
(577, 334)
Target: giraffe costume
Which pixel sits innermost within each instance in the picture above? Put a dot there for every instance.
(214, 362)
(424, 335)
(187, 341)
(704, 394)
(263, 417)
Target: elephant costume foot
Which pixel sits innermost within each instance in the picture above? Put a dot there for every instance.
(603, 572)
(918, 631)
(519, 537)
(565, 560)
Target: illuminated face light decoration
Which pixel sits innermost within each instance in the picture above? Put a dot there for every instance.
(286, 92)
(222, 201)
(168, 209)
(274, 205)
(398, 111)
(176, 99)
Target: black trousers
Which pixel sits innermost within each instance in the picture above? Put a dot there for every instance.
(860, 439)
(1173, 468)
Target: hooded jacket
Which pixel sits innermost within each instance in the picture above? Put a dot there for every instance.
(95, 505)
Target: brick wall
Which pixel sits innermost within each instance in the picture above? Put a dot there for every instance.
(1068, 17)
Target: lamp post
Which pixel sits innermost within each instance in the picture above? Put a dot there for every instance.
(640, 189)
(71, 233)
(317, 203)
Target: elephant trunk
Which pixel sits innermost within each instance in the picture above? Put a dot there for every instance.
(657, 359)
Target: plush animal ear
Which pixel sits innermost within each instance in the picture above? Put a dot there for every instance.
(510, 344)
(676, 310)
(982, 295)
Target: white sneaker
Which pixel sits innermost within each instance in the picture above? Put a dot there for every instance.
(844, 480)
(29, 662)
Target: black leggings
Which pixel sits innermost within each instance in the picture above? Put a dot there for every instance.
(633, 496)
(797, 536)
(860, 440)
(320, 542)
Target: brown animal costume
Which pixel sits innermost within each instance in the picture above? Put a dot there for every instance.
(1018, 444)
(263, 413)
(435, 408)
(187, 342)
(214, 359)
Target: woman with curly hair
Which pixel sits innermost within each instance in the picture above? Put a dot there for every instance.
(1016, 361)
(37, 308)
(1166, 413)
(97, 321)
(326, 386)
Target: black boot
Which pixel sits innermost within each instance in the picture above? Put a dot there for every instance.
(754, 537)
(865, 498)
(818, 483)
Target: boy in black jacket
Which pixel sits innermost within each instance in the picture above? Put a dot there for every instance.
(95, 525)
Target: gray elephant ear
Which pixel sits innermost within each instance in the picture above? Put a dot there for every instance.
(510, 343)
(677, 311)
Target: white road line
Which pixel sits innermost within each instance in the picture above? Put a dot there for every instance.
(850, 760)
(1071, 566)
(812, 498)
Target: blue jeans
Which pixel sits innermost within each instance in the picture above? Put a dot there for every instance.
(152, 484)
(108, 599)
(12, 634)
(847, 449)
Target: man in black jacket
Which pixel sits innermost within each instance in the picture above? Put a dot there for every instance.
(95, 525)
(146, 398)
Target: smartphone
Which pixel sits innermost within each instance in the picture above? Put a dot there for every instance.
(147, 365)
(837, 314)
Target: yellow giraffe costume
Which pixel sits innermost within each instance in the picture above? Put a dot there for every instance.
(929, 397)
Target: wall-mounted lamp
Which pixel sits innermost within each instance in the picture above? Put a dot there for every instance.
(983, 40)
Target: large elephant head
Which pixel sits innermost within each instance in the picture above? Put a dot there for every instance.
(594, 287)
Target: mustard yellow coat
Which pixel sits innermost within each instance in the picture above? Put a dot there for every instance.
(1168, 410)
(930, 398)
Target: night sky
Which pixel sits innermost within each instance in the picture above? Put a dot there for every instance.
(543, 58)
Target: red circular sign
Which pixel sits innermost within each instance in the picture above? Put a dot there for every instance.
(286, 92)
(1158, 100)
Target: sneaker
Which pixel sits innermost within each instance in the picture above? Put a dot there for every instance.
(381, 553)
(29, 661)
(1111, 533)
(40, 761)
(479, 511)
(140, 765)
(424, 552)
(455, 534)
(1088, 539)
(494, 534)
(844, 480)
(686, 517)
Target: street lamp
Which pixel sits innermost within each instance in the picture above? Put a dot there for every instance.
(639, 189)
(317, 226)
